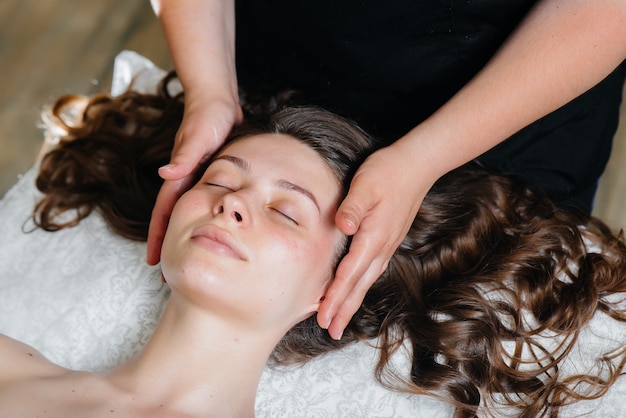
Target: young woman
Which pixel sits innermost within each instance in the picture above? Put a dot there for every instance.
(248, 253)
(489, 290)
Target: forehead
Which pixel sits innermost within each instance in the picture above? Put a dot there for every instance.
(269, 144)
(279, 152)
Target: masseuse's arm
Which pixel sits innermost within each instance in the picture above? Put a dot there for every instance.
(201, 39)
(562, 48)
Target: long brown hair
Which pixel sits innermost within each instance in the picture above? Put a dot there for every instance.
(486, 270)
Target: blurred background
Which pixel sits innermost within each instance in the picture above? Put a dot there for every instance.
(53, 47)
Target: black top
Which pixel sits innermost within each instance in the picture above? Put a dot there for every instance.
(389, 64)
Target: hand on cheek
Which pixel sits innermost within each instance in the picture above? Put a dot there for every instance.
(378, 210)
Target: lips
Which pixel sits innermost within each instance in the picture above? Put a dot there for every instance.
(217, 241)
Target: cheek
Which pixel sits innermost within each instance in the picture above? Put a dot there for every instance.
(306, 263)
(288, 255)
(184, 210)
(192, 201)
(294, 252)
(188, 208)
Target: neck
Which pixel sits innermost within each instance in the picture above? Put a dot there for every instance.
(198, 363)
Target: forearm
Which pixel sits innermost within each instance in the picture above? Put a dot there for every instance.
(559, 51)
(201, 38)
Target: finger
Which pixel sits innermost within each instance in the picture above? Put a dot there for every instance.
(361, 257)
(169, 193)
(353, 302)
(186, 159)
(354, 208)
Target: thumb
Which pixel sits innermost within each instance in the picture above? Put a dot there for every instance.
(186, 157)
(181, 164)
(353, 209)
(190, 151)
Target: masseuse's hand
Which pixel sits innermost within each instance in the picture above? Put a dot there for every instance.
(206, 123)
(383, 200)
(560, 50)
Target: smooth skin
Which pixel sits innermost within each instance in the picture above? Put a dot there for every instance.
(560, 50)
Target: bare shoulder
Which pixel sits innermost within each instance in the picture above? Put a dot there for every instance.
(18, 360)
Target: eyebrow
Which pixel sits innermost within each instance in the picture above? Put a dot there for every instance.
(244, 166)
(287, 185)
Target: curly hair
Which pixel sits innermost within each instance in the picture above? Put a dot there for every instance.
(487, 270)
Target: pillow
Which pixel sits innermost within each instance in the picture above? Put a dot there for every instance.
(87, 300)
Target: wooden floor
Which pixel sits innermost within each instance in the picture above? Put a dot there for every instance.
(52, 47)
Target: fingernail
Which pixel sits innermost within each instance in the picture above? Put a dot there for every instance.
(339, 336)
(167, 166)
(324, 323)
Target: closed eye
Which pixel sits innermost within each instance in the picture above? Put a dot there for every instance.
(221, 186)
(284, 215)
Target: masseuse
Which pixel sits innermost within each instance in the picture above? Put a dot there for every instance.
(441, 83)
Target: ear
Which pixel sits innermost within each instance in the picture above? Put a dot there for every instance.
(314, 306)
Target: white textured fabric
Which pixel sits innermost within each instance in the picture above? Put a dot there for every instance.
(86, 299)
(82, 296)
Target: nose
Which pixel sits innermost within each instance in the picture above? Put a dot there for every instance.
(233, 208)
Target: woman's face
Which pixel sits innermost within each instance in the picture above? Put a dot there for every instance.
(255, 238)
